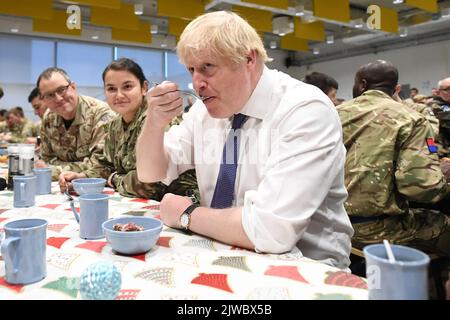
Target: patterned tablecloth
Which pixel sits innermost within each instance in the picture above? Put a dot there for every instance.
(180, 266)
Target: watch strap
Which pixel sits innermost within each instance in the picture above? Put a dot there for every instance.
(188, 212)
(191, 208)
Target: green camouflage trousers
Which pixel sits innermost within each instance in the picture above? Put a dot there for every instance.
(184, 185)
(425, 229)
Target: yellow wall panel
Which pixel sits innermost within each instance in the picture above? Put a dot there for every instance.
(259, 19)
(120, 19)
(293, 43)
(280, 4)
(58, 24)
(176, 26)
(111, 4)
(418, 18)
(187, 9)
(142, 35)
(338, 10)
(27, 8)
(310, 31)
(428, 5)
(389, 20)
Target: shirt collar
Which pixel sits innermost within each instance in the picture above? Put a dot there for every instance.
(259, 103)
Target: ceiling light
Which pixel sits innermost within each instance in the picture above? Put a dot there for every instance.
(282, 25)
(14, 30)
(445, 12)
(358, 23)
(316, 50)
(397, 1)
(273, 44)
(330, 39)
(299, 11)
(403, 32)
(154, 29)
(95, 37)
(138, 9)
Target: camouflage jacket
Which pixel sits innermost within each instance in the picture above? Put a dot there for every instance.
(441, 109)
(21, 131)
(37, 128)
(119, 156)
(3, 127)
(388, 159)
(427, 112)
(72, 149)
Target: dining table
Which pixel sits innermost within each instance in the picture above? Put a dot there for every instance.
(182, 265)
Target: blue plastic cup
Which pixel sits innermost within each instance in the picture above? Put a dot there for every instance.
(404, 279)
(24, 191)
(23, 250)
(43, 180)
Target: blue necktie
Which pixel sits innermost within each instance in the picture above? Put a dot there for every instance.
(224, 192)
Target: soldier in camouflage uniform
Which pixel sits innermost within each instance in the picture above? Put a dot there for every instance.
(39, 108)
(125, 89)
(72, 132)
(391, 160)
(441, 108)
(18, 128)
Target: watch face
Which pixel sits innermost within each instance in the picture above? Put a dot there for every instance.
(184, 220)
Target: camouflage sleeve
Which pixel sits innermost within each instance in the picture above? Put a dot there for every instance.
(418, 174)
(98, 138)
(185, 185)
(101, 164)
(129, 185)
(28, 130)
(443, 115)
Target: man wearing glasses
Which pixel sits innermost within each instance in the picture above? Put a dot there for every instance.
(441, 108)
(73, 130)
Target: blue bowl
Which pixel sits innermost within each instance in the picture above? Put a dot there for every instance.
(132, 242)
(88, 185)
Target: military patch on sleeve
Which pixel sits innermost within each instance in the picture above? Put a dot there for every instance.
(431, 145)
(445, 108)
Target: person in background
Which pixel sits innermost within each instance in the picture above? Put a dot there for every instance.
(287, 191)
(3, 125)
(441, 108)
(419, 98)
(325, 83)
(420, 107)
(18, 127)
(391, 161)
(412, 93)
(72, 132)
(39, 108)
(125, 89)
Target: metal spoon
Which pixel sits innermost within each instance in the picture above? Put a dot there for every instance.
(183, 92)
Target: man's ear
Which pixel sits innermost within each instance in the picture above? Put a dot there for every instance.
(364, 84)
(251, 57)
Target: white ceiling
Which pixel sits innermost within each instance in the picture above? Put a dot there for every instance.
(368, 41)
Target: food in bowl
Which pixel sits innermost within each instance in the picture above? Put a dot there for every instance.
(88, 185)
(132, 242)
(127, 227)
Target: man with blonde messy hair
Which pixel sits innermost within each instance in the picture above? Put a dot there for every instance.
(286, 192)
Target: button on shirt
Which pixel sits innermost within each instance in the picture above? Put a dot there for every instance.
(290, 178)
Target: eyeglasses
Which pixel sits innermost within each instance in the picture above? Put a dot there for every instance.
(61, 91)
(444, 89)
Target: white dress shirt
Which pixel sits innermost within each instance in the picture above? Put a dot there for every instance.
(290, 177)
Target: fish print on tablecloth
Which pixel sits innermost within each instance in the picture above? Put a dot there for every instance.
(233, 262)
(162, 276)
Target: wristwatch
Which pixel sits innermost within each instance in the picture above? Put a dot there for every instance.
(185, 218)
